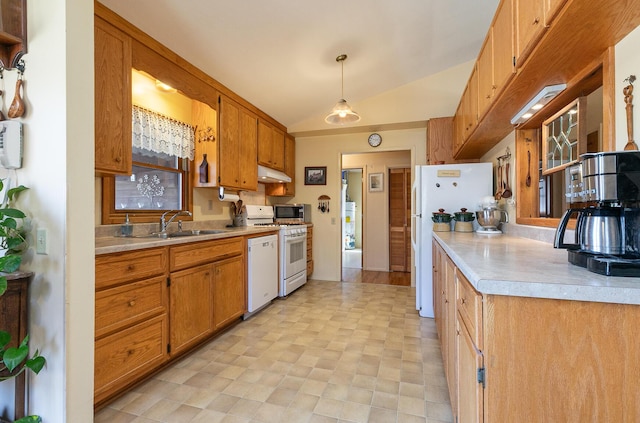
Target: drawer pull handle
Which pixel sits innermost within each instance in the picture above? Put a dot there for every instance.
(536, 21)
(130, 352)
(132, 303)
(130, 267)
(463, 301)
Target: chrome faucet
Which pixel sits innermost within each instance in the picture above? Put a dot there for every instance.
(164, 224)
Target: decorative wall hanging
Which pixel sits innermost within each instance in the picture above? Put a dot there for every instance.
(17, 109)
(204, 134)
(323, 203)
(628, 99)
(315, 175)
(376, 182)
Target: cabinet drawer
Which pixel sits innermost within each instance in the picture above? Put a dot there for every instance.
(128, 304)
(124, 357)
(469, 304)
(113, 269)
(188, 255)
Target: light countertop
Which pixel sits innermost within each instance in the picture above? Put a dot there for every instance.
(106, 244)
(508, 265)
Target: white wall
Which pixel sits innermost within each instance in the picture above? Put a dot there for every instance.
(58, 167)
(327, 151)
(627, 63)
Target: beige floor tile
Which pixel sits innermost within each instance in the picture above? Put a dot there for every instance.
(330, 352)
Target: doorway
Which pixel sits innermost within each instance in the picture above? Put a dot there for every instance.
(400, 219)
(351, 222)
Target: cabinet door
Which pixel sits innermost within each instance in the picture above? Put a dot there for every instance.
(470, 391)
(440, 136)
(485, 75)
(286, 189)
(270, 146)
(529, 19)
(503, 55)
(450, 329)
(229, 140)
(230, 299)
(248, 151)
(191, 298)
(112, 100)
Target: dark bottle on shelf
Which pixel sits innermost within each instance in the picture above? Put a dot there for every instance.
(204, 170)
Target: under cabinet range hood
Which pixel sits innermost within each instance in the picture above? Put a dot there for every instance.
(267, 175)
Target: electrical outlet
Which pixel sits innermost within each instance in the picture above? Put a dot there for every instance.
(41, 241)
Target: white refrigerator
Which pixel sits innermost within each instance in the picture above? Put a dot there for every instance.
(449, 187)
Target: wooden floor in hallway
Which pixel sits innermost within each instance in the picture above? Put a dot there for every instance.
(350, 274)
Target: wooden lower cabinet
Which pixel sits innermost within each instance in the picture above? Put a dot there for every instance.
(309, 250)
(155, 304)
(523, 359)
(230, 293)
(191, 302)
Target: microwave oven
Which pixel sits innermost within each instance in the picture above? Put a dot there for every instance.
(292, 212)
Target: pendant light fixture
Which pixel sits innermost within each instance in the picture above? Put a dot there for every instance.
(342, 112)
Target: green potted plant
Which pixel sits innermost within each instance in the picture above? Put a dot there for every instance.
(14, 360)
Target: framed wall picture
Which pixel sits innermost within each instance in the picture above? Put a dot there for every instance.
(376, 182)
(315, 175)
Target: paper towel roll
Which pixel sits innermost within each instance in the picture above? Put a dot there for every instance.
(228, 197)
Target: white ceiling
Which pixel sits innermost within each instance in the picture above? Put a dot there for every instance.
(280, 54)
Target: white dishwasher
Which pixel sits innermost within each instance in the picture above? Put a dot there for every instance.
(262, 265)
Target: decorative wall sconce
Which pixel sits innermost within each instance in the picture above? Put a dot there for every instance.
(537, 103)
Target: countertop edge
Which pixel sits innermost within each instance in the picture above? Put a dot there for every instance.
(112, 244)
(528, 278)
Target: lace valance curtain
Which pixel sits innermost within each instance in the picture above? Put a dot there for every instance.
(160, 134)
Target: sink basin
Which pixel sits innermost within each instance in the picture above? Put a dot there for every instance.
(179, 234)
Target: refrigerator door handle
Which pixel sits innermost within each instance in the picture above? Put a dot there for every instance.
(415, 233)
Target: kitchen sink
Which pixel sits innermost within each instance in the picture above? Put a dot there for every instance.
(195, 232)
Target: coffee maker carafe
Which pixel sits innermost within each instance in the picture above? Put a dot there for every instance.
(604, 192)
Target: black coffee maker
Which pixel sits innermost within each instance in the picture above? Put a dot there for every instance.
(603, 190)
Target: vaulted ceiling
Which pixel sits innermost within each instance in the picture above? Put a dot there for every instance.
(281, 55)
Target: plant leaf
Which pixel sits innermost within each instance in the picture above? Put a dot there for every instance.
(14, 192)
(29, 419)
(10, 263)
(5, 338)
(12, 213)
(14, 356)
(36, 363)
(3, 285)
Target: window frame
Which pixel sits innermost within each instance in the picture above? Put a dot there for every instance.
(111, 215)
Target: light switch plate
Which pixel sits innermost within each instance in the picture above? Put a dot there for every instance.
(41, 241)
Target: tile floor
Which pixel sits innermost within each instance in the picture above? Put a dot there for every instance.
(331, 352)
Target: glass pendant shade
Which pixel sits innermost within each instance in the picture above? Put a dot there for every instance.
(341, 114)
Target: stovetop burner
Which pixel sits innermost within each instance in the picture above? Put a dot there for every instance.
(606, 265)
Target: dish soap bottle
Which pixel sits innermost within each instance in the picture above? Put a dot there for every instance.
(127, 228)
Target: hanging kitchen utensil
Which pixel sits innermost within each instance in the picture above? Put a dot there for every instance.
(507, 189)
(498, 194)
(16, 109)
(628, 99)
(323, 203)
(528, 181)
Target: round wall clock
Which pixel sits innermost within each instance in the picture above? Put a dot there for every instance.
(375, 140)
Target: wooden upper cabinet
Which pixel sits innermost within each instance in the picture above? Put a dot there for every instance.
(551, 9)
(529, 20)
(503, 40)
(485, 75)
(286, 189)
(440, 140)
(471, 104)
(237, 146)
(112, 100)
(270, 146)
